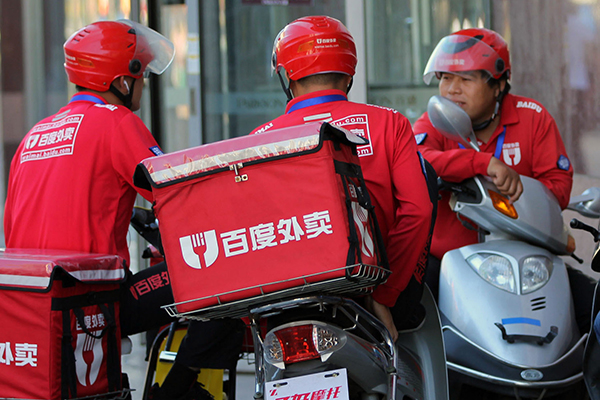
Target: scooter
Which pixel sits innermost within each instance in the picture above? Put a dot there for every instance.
(588, 204)
(505, 303)
(321, 345)
(330, 346)
(351, 352)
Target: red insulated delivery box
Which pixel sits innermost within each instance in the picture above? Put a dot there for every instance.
(59, 330)
(262, 213)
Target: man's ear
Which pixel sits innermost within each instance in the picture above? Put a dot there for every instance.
(501, 86)
(122, 85)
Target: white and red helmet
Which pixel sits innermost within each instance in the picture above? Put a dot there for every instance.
(314, 45)
(474, 49)
(101, 52)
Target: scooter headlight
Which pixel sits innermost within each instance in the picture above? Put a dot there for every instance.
(495, 269)
(535, 273)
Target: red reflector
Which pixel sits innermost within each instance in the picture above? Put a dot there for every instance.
(297, 343)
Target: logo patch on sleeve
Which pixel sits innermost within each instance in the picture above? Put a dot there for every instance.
(563, 163)
(420, 137)
(156, 150)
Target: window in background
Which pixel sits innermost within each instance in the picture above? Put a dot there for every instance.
(236, 38)
(400, 36)
(175, 95)
(79, 13)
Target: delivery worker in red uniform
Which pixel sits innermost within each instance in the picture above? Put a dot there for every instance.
(516, 135)
(71, 180)
(319, 58)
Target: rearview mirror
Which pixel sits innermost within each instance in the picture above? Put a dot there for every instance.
(451, 121)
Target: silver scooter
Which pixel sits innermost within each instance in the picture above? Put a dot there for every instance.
(588, 205)
(505, 303)
(325, 346)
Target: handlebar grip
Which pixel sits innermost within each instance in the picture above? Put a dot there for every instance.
(577, 224)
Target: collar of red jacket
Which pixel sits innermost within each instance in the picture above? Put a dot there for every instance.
(508, 111)
(313, 95)
(88, 96)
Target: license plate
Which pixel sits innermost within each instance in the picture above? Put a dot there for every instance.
(326, 385)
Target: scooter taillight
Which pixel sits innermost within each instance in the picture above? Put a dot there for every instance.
(297, 343)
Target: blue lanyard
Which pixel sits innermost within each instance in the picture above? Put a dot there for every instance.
(316, 100)
(499, 144)
(87, 97)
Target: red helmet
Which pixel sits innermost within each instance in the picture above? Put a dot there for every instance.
(470, 50)
(103, 51)
(314, 45)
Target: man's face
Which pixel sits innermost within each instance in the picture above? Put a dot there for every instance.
(471, 92)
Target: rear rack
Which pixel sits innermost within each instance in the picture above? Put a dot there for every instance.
(357, 280)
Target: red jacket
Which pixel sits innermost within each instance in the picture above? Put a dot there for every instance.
(392, 171)
(70, 183)
(532, 146)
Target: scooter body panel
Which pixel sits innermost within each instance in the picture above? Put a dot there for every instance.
(416, 367)
(473, 306)
(363, 361)
(539, 218)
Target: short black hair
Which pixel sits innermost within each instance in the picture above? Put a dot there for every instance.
(493, 82)
(322, 79)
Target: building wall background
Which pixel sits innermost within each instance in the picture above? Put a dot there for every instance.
(555, 51)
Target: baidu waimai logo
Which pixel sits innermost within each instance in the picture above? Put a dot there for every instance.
(89, 353)
(202, 249)
(207, 241)
(361, 220)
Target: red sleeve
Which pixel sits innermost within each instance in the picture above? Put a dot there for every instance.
(8, 206)
(548, 153)
(409, 231)
(131, 144)
(450, 162)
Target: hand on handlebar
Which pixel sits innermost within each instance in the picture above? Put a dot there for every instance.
(506, 179)
(384, 315)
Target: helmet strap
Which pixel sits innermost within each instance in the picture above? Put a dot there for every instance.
(350, 85)
(286, 89)
(499, 99)
(126, 99)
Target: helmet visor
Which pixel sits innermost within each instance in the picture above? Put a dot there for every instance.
(153, 50)
(274, 62)
(459, 53)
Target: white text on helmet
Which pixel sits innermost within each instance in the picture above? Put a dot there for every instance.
(452, 62)
(326, 40)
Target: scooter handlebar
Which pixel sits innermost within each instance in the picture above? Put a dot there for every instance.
(577, 224)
